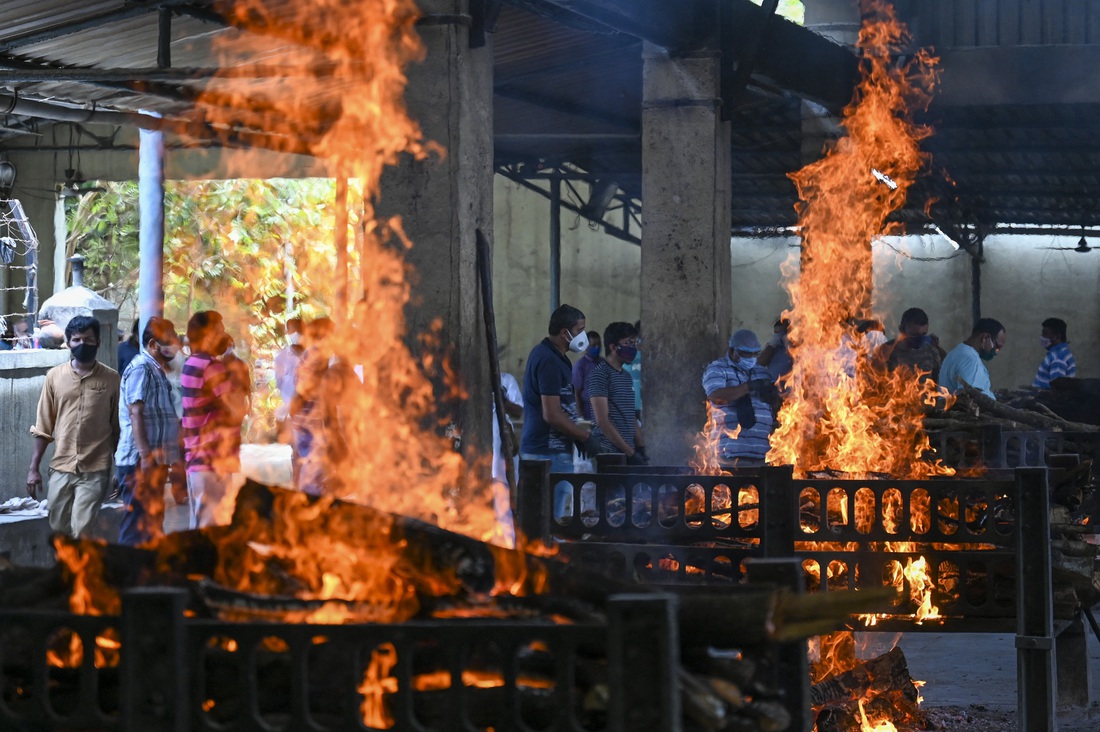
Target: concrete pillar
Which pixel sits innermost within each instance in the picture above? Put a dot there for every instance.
(443, 201)
(685, 283)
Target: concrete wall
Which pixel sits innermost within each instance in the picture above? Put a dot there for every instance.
(599, 273)
(22, 374)
(1023, 283)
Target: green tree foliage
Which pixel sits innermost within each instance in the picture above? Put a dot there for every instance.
(240, 247)
(237, 246)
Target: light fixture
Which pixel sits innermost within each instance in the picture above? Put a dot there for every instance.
(7, 178)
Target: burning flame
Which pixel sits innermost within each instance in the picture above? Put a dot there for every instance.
(91, 595)
(707, 442)
(882, 725)
(342, 101)
(842, 413)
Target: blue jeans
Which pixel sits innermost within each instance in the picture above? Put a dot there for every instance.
(143, 503)
(561, 462)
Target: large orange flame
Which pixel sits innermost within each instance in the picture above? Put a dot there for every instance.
(841, 413)
(375, 397)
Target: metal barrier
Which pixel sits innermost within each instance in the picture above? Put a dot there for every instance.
(995, 448)
(178, 674)
(987, 543)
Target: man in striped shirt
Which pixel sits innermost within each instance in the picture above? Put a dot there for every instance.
(744, 396)
(212, 415)
(611, 389)
(1059, 362)
(149, 447)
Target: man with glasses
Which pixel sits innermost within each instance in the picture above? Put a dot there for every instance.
(612, 391)
(550, 415)
(744, 398)
(964, 365)
(149, 449)
(78, 412)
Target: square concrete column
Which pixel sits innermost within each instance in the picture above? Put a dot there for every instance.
(685, 285)
(442, 202)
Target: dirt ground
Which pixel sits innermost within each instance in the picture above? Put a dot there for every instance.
(979, 718)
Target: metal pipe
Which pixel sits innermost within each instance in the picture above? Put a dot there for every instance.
(151, 219)
(555, 243)
(976, 282)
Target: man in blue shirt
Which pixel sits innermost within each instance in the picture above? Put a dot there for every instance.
(550, 416)
(745, 397)
(964, 365)
(1059, 362)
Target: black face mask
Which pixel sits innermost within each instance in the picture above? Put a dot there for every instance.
(85, 352)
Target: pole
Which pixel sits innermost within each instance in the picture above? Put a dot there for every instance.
(976, 280)
(555, 242)
(151, 238)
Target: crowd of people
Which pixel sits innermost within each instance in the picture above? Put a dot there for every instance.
(155, 434)
(172, 416)
(593, 406)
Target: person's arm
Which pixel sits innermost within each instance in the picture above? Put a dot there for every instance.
(977, 376)
(607, 427)
(136, 411)
(766, 355)
(43, 436)
(555, 416)
(513, 410)
(717, 388)
(728, 394)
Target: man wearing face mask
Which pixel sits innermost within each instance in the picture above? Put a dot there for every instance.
(582, 369)
(78, 412)
(965, 364)
(1059, 362)
(612, 390)
(745, 398)
(149, 449)
(914, 348)
(550, 416)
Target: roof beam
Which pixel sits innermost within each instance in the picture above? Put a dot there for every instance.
(132, 9)
(793, 57)
(14, 72)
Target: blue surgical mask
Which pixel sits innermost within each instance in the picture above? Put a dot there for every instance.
(1045, 342)
(747, 363)
(593, 351)
(920, 341)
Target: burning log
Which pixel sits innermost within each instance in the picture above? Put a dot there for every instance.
(882, 685)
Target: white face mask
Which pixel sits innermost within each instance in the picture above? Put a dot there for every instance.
(579, 342)
(294, 338)
(1044, 342)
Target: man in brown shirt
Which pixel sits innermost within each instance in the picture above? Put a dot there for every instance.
(78, 412)
(914, 348)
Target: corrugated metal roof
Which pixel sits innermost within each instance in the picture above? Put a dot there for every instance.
(570, 91)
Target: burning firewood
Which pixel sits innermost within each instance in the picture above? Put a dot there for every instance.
(882, 684)
(972, 407)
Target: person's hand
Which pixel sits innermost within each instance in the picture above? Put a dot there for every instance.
(148, 460)
(761, 388)
(592, 444)
(34, 482)
(177, 477)
(638, 458)
(776, 341)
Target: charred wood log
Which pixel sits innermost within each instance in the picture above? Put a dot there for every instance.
(888, 672)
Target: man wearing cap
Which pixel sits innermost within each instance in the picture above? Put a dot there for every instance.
(744, 398)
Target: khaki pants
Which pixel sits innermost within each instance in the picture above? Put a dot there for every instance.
(212, 497)
(74, 500)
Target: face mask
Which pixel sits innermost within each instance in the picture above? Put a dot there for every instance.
(169, 352)
(747, 363)
(918, 341)
(223, 344)
(627, 354)
(85, 352)
(1044, 342)
(579, 342)
(294, 338)
(593, 351)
